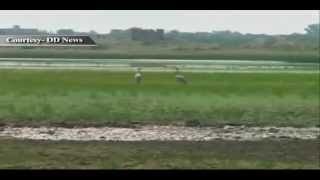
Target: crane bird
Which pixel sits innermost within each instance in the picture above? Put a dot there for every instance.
(179, 77)
(138, 76)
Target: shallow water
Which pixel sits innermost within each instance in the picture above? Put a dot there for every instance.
(158, 65)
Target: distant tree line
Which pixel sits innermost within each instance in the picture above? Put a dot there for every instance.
(310, 39)
(221, 39)
(229, 39)
(214, 39)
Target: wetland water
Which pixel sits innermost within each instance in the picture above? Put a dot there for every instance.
(157, 64)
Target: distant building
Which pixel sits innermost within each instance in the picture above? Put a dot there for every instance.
(120, 34)
(147, 35)
(66, 32)
(16, 30)
(115, 31)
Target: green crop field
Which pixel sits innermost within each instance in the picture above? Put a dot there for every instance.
(96, 98)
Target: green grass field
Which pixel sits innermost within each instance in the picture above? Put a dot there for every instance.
(80, 97)
(24, 154)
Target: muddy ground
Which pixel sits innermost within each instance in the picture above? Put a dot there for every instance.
(160, 133)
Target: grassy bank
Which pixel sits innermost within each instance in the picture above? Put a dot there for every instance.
(48, 97)
(19, 154)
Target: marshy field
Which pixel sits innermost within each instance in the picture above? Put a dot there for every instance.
(160, 90)
(36, 92)
(82, 97)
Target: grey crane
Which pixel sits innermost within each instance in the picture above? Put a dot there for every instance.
(138, 76)
(180, 78)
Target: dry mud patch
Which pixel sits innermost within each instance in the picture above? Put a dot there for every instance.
(160, 133)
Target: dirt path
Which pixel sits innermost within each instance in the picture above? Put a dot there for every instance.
(160, 133)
